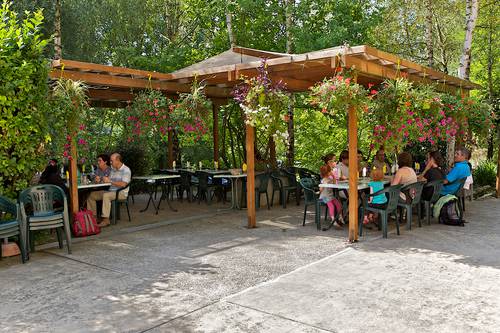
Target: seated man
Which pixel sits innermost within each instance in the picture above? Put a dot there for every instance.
(460, 170)
(120, 177)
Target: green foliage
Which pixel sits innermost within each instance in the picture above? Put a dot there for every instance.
(334, 96)
(23, 93)
(485, 173)
(137, 157)
(265, 104)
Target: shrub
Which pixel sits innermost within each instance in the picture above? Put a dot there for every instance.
(23, 99)
(485, 173)
(136, 158)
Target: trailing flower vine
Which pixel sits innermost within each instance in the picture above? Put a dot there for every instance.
(333, 96)
(151, 113)
(265, 104)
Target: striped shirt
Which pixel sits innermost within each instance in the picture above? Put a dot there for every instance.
(121, 175)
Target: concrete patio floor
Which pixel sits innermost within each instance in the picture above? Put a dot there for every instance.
(211, 274)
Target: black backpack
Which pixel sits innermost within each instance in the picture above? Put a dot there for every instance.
(449, 214)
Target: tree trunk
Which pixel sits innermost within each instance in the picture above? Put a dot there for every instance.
(428, 33)
(289, 5)
(57, 31)
(471, 17)
(442, 47)
(291, 134)
(491, 98)
(229, 25)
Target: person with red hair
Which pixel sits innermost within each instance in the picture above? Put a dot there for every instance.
(326, 195)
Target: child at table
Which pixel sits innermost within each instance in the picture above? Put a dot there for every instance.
(379, 201)
(326, 195)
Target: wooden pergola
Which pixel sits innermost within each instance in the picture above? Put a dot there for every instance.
(115, 86)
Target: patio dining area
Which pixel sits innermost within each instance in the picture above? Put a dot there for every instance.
(202, 270)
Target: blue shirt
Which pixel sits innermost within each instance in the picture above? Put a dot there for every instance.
(460, 170)
(377, 186)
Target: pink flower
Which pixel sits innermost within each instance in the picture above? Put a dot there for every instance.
(82, 142)
(81, 127)
(373, 92)
(421, 139)
(348, 80)
(370, 85)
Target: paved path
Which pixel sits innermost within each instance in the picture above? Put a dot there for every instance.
(213, 275)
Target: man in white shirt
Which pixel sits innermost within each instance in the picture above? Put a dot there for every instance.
(120, 177)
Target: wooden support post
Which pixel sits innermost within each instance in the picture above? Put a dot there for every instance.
(73, 178)
(353, 175)
(170, 149)
(215, 114)
(250, 138)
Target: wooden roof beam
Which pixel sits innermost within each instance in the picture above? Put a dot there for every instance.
(111, 95)
(123, 82)
(86, 66)
(257, 53)
(372, 69)
(419, 68)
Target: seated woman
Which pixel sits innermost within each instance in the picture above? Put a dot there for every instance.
(405, 175)
(434, 170)
(103, 168)
(343, 165)
(51, 176)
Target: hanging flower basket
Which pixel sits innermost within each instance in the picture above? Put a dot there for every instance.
(335, 95)
(265, 105)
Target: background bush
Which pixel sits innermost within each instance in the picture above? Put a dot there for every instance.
(23, 99)
(485, 173)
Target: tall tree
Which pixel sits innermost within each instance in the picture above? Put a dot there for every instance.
(57, 31)
(471, 11)
(429, 33)
(229, 24)
(289, 8)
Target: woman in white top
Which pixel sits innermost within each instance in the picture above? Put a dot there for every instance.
(405, 174)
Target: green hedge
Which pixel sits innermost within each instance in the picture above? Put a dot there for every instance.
(23, 99)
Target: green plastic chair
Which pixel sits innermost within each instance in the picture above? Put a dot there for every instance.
(436, 186)
(263, 181)
(283, 189)
(38, 213)
(412, 201)
(392, 194)
(115, 205)
(459, 194)
(12, 225)
(311, 198)
(206, 189)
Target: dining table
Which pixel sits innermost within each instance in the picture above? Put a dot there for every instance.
(153, 181)
(85, 189)
(363, 187)
(234, 187)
